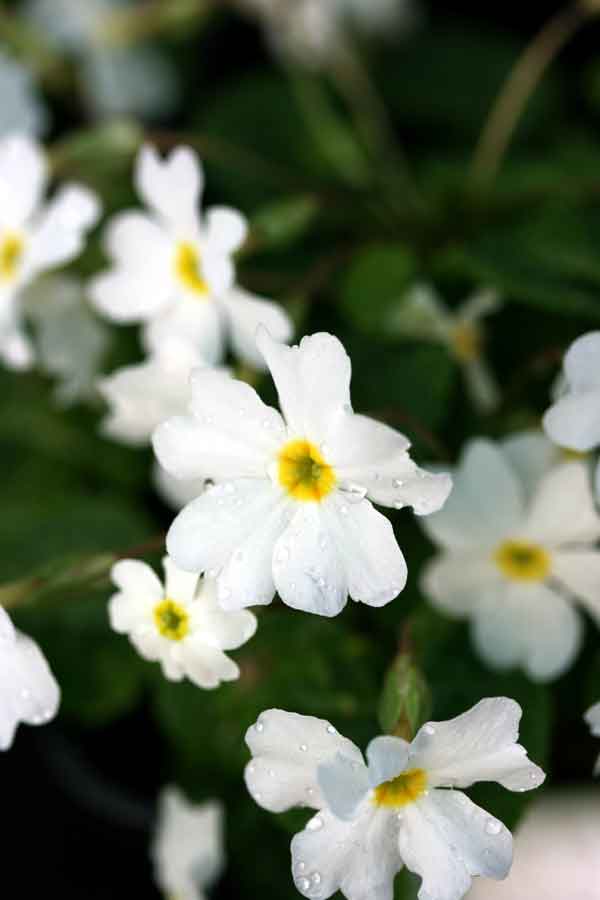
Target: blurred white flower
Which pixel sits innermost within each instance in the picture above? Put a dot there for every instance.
(556, 852)
(592, 717)
(173, 268)
(33, 236)
(397, 810)
(290, 509)
(22, 109)
(574, 419)
(179, 624)
(424, 316)
(28, 690)
(518, 538)
(187, 850)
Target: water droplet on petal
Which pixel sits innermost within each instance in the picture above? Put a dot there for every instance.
(331, 730)
(493, 826)
(259, 727)
(304, 747)
(316, 878)
(301, 865)
(397, 483)
(303, 884)
(315, 824)
(429, 729)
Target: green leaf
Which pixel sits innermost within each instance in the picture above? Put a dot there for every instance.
(284, 221)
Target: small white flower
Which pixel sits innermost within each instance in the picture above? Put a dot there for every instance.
(33, 236)
(423, 315)
(574, 419)
(397, 810)
(518, 538)
(592, 717)
(22, 109)
(290, 511)
(187, 849)
(173, 269)
(28, 690)
(179, 624)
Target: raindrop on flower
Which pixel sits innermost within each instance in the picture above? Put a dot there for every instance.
(315, 824)
(493, 826)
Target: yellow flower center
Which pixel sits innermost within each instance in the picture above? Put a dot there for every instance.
(11, 250)
(569, 455)
(171, 619)
(401, 791)
(188, 269)
(303, 472)
(522, 561)
(466, 342)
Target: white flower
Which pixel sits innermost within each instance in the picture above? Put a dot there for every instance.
(173, 269)
(187, 849)
(22, 109)
(592, 717)
(290, 511)
(33, 236)
(423, 315)
(28, 690)
(373, 819)
(574, 419)
(179, 624)
(518, 539)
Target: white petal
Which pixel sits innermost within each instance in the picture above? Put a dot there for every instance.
(482, 385)
(131, 296)
(59, 234)
(574, 420)
(28, 690)
(225, 228)
(16, 349)
(133, 239)
(23, 175)
(447, 840)
(479, 745)
(179, 584)
(197, 323)
(485, 504)
(245, 313)
(176, 492)
(480, 304)
(592, 717)
(287, 750)
(563, 507)
(139, 591)
(456, 582)
(225, 630)
(387, 756)
(359, 443)
(312, 381)
(344, 785)
(531, 455)
(360, 857)
(207, 666)
(582, 362)
(171, 187)
(579, 572)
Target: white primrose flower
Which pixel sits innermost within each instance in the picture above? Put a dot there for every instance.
(173, 269)
(22, 109)
(179, 624)
(28, 691)
(402, 808)
(187, 849)
(423, 315)
(592, 717)
(34, 236)
(291, 508)
(518, 539)
(574, 419)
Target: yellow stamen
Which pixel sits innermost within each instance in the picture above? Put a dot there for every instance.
(304, 473)
(569, 455)
(11, 250)
(171, 619)
(188, 269)
(466, 342)
(522, 561)
(401, 791)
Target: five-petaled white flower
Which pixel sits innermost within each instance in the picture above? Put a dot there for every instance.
(373, 819)
(592, 717)
(519, 547)
(187, 849)
(179, 624)
(290, 509)
(28, 690)
(574, 419)
(33, 236)
(173, 269)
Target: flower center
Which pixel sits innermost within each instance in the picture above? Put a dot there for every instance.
(401, 791)
(188, 269)
(521, 561)
(171, 619)
(466, 342)
(303, 472)
(11, 249)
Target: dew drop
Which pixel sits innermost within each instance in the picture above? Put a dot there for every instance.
(344, 510)
(25, 693)
(315, 824)
(316, 878)
(331, 730)
(238, 555)
(301, 865)
(259, 727)
(283, 554)
(272, 773)
(429, 729)
(493, 826)
(251, 769)
(303, 884)
(304, 747)
(229, 488)
(397, 483)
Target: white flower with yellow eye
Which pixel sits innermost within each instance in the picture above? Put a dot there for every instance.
(33, 236)
(28, 690)
(291, 508)
(574, 419)
(592, 717)
(179, 624)
(187, 849)
(173, 268)
(424, 316)
(403, 808)
(518, 539)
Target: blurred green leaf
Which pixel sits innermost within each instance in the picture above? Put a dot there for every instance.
(284, 221)
(376, 279)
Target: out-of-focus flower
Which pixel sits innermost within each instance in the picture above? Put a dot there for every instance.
(117, 78)
(21, 109)
(33, 236)
(424, 316)
(187, 850)
(290, 509)
(556, 852)
(397, 810)
(574, 419)
(179, 624)
(173, 268)
(28, 690)
(592, 717)
(518, 539)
